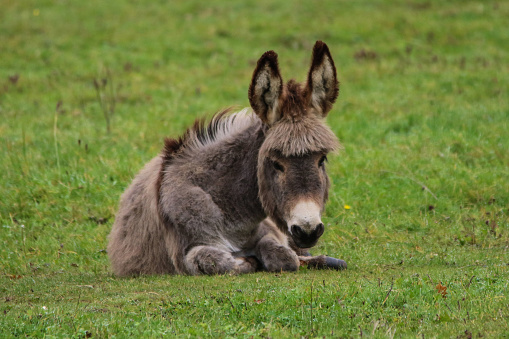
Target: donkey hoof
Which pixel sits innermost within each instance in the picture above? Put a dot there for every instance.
(336, 264)
(323, 262)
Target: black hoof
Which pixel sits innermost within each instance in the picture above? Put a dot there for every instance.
(336, 264)
(323, 262)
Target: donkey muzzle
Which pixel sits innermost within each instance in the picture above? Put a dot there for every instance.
(305, 239)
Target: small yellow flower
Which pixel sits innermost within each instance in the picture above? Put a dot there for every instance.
(36, 12)
(347, 207)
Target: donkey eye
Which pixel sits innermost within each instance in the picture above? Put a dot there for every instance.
(278, 166)
(322, 160)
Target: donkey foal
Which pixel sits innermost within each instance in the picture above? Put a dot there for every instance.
(242, 193)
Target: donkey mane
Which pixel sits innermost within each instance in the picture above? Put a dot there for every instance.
(223, 125)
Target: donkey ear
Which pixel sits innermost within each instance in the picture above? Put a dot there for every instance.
(322, 86)
(266, 88)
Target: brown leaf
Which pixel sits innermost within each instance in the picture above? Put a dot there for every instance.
(442, 290)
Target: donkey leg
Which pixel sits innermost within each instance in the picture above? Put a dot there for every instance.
(213, 260)
(275, 256)
(272, 249)
(273, 252)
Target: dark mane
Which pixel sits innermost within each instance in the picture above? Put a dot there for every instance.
(200, 131)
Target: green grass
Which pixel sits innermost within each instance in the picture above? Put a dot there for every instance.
(423, 114)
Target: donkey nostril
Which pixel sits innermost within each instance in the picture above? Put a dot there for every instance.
(319, 230)
(297, 231)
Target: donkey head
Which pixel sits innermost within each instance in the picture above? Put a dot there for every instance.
(293, 183)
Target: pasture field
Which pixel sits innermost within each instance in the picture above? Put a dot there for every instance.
(419, 206)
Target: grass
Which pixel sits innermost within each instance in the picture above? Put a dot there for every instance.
(423, 115)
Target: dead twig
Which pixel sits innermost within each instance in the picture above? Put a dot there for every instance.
(470, 282)
(388, 292)
(233, 307)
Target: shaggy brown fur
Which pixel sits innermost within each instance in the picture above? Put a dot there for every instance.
(242, 193)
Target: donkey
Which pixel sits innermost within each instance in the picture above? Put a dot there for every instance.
(244, 192)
